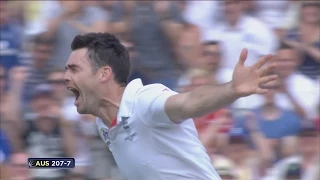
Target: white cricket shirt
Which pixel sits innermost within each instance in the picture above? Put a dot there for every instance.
(147, 145)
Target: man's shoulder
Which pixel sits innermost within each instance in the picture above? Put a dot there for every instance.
(149, 93)
(152, 89)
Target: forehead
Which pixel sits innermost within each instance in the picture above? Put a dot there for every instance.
(78, 57)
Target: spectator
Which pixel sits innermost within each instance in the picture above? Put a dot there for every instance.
(74, 18)
(209, 60)
(214, 130)
(211, 52)
(19, 167)
(37, 14)
(189, 53)
(189, 47)
(133, 54)
(10, 107)
(292, 16)
(241, 31)
(280, 127)
(305, 38)
(308, 159)
(273, 14)
(237, 32)
(39, 68)
(10, 39)
(204, 14)
(154, 27)
(45, 133)
(238, 151)
(296, 91)
(60, 93)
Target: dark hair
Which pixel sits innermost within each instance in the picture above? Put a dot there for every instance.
(105, 49)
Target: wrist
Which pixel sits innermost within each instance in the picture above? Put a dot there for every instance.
(233, 91)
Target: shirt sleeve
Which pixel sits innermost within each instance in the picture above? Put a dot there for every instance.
(151, 104)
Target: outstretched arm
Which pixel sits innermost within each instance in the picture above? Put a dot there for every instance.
(255, 79)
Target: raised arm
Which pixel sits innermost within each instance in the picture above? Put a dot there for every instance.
(255, 79)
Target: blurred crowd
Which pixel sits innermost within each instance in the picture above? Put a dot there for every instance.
(183, 45)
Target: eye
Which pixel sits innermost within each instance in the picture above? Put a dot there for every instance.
(73, 70)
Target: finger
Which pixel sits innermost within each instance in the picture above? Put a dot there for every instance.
(268, 69)
(243, 56)
(262, 61)
(272, 85)
(267, 79)
(262, 91)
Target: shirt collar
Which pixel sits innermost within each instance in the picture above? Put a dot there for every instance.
(127, 100)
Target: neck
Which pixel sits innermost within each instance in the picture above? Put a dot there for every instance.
(234, 22)
(109, 105)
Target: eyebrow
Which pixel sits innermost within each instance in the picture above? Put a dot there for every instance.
(70, 66)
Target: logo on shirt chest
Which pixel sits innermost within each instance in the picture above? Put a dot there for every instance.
(125, 125)
(104, 133)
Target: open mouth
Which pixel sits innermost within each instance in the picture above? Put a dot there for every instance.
(75, 92)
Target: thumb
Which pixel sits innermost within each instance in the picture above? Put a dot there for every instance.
(243, 56)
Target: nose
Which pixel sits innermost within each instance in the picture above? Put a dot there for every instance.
(66, 77)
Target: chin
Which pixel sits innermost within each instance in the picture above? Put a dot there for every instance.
(81, 110)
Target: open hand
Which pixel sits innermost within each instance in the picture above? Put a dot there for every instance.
(255, 79)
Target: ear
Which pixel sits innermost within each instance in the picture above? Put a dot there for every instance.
(105, 73)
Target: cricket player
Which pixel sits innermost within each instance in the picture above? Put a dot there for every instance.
(149, 129)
